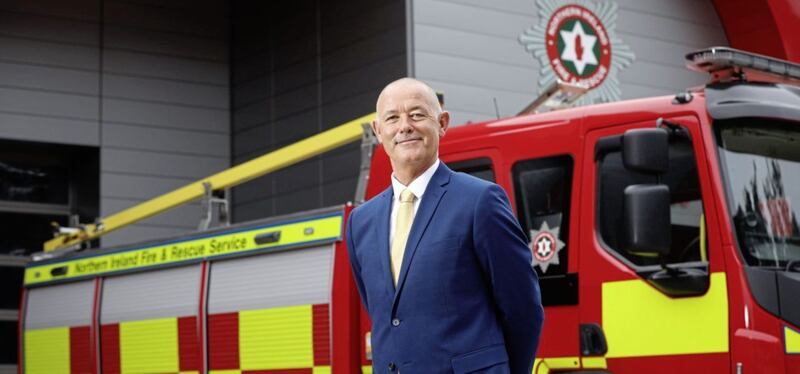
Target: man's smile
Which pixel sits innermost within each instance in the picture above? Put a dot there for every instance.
(406, 141)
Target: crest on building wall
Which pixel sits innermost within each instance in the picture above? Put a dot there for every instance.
(575, 41)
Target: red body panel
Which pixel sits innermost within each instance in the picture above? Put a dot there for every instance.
(189, 351)
(80, 357)
(321, 334)
(109, 338)
(223, 341)
(344, 311)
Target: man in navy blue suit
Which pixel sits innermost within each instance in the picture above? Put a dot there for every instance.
(440, 261)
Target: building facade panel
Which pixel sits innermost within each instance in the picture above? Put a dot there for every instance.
(486, 61)
(301, 68)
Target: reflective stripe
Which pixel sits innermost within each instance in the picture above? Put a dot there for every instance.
(193, 248)
(638, 320)
(593, 362)
(149, 346)
(276, 338)
(47, 351)
(792, 339)
(366, 369)
(544, 365)
(321, 370)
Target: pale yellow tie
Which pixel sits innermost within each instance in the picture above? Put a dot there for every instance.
(405, 216)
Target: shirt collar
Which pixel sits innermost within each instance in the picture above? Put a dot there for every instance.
(417, 186)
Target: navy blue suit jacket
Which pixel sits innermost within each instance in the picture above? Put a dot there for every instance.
(467, 299)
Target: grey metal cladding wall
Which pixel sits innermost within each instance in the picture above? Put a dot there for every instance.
(165, 107)
(154, 294)
(299, 68)
(60, 305)
(146, 81)
(49, 78)
(294, 277)
(469, 49)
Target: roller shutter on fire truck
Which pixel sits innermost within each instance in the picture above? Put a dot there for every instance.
(57, 328)
(149, 322)
(271, 312)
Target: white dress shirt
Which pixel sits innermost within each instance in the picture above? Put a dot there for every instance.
(417, 187)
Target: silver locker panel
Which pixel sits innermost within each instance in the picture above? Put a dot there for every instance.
(294, 277)
(60, 305)
(153, 294)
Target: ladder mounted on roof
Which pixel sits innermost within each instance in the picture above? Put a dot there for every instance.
(70, 239)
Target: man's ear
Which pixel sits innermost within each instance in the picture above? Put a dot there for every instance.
(375, 132)
(444, 122)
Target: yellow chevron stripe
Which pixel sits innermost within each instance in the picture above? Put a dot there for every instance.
(149, 346)
(276, 338)
(47, 350)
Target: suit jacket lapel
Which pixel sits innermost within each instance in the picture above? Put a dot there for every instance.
(430, 201)
(382, 226)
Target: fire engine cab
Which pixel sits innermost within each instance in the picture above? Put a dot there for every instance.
(664, 232)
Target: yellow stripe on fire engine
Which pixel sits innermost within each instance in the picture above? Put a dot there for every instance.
(191, 249)
(366, 369)
(149, 346)
(321, 370)
(792, 339)
(639, 321)
(546, 364)
(224, 372)
(276, 338)
(47, 351)
(593, 363)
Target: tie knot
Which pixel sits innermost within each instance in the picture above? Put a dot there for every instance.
(407, 196)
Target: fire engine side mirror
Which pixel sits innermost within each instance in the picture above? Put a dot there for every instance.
(647, 220)
(646, 150)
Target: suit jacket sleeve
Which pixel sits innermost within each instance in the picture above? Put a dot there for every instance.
(503, 253)
(351, 252)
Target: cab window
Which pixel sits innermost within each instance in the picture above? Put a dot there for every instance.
(686, 207)
(479, 168)
(542, 190)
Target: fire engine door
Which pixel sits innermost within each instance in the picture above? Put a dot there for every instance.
(651, 312)
(541, 188)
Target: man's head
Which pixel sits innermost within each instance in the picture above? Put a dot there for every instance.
(409, 124)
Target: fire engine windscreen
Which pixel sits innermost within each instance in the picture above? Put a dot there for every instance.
(761, 166)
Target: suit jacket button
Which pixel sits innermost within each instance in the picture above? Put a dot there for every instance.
(392, 366)
(395, 322)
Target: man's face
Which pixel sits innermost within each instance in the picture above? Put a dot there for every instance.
(408, 126)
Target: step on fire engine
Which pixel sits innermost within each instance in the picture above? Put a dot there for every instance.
(664, 231)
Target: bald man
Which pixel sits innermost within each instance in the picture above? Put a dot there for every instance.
(440, 261)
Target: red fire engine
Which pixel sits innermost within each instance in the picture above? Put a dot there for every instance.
(664, 232)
